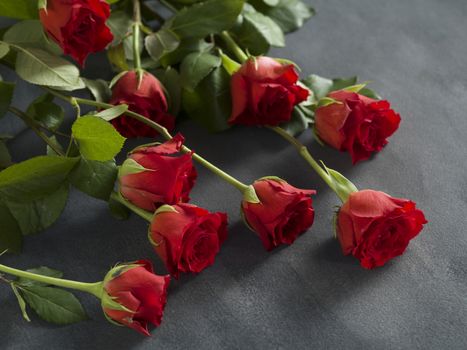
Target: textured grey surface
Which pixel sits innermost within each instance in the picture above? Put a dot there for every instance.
(307, 296)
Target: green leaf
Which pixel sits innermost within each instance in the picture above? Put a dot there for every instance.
(54, 305)
(97, 139)
(35, 178)
(116, 56)
(120, 24)
(342, 83)
(4, 49)
(229, 64)
(319, 85)
(369, 93)
(6, 95)
(170, 80)
(298, 123)
(161, 43)
(258, 33)
(95, 178)
(186, 47)
(5, 158)
(210, 103)
(195, 67)
(21, 302)
(30, 33)
(41, 270)
(112, 112)
(39, 67)
(46, 113)
(99, 89)
(118, 210)
(50, 150)
(19, 9)
(11, 238)
(39, 214)
(290, 15)
(208, 17)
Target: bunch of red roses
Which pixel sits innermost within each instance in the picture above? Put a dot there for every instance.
(196, 73)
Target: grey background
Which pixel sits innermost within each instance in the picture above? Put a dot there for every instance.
(306, 296)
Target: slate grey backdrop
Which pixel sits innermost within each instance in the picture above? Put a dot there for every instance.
(307, 296)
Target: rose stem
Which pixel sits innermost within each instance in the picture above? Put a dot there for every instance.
(161, 130)
(232, 45)
(142, 213)
(25, 118)
(136, 35)
(308, 157)
(93, 288)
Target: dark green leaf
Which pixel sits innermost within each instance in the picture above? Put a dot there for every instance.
(51, 151)
(195, 67)
(35, 178)
(41, 270)
(10, 234)
(46, 113)
(5, 158)
(161, 43)
(119, 23)
(208, 17)
(6, 95)
(4, 49)
(54, 305)
(341, 83)
(186, 47)
(298, 123)
(290, 14)
(95, 178)
(112, 112)
(210, 103)
(170, 79)
(37, 215)
(97, 139)
(99, 89)
(20, 9)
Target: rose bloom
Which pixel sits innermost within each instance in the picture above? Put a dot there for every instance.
(137, 296)
(146, 98)
(186, 237)
(358, 124)
(284, 212)
(375, 227)
(156, 175)
(264, 92)
(78, 26)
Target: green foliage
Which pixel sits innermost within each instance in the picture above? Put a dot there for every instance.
(95, 178)
(170, 79)
(161, 43)
(6, 95)
(210, 102)
(10, 233)
(195, 67)
(19, 9)
(97, 139)
(48, 114)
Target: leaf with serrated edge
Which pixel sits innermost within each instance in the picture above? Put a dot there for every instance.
(54, 305)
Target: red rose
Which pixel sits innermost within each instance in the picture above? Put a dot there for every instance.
(375, 227)
(146, 98)
(78, 26)
(283, 213)
(359, 124)
(264, 92)
(186, 237)
(156, 175)
(135, 296)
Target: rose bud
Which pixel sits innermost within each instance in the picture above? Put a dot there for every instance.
(264, 92)
(156, 175)
(134, 296)
(277, 211)
(145, 97)
(186, 237)
(375, 227)
(78, 26)
(355, 123)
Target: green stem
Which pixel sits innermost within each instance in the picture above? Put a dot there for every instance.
(142, 213)
(165, 133)
(232, 46)
(305, 154)
(136, 34)
(32, 125)
(93, 288)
